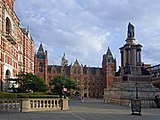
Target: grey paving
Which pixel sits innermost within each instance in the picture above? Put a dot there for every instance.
(87, 110)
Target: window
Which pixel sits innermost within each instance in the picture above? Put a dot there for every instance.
(74, 71)
(109, 61)
(110, 71)
(19, 47)
(53, 71)
(40, 67)
(79, 71)
(19, 58)
(8, 26)
(49, 69)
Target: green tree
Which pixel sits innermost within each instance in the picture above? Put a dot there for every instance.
(60, 82)
(29, 82)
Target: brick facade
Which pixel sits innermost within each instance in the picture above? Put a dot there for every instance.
(90, 82)
(16, 44)
(109, 68)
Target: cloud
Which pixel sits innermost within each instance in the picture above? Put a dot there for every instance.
(84, 29)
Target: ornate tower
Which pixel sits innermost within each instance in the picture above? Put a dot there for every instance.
(41, 64)
(64, 61)
(109, 68)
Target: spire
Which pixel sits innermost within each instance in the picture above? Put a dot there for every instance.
(40, 53)
(108, 57)
(76, 63)
(40, 50)
(109, 54)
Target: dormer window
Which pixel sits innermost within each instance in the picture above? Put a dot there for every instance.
(109, 60)
(40, 67)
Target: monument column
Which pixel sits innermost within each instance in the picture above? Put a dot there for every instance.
(122, 61)
(139, 57)
(129, 56)
(124, 58)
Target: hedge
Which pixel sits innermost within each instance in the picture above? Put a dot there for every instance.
(27, 95)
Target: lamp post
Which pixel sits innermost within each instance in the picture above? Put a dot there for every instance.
(1, 85)
(136, 90)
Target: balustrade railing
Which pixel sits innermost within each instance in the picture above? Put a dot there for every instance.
(145, 103)
(9, 104)
(34, 104)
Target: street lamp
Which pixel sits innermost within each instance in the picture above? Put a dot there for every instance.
(1, 85)
(136, 90)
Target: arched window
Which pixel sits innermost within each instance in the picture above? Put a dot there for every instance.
(40, 67)
(79, 71)
(8, 25)
(8, 74)
(74, 70)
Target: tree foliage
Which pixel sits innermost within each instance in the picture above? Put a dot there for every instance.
(29, 82)
(60, 82)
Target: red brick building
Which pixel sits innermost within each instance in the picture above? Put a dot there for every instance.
(16, 45)
(109, 69)
(90, 82)
(155, 73)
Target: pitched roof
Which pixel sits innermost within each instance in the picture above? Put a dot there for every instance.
(40, 49)
(109, 53)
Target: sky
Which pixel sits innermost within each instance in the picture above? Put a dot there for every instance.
(84, 29)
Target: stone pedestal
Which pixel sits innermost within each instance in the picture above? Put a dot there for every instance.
(124, 90)
(65, 104)
(25, 105)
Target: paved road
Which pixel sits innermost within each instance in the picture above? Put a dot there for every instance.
(88, 110)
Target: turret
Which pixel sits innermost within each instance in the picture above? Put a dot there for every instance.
(109, 68)
(64, 61)
(41, 63)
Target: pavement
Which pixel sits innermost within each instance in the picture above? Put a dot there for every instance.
(87, 110)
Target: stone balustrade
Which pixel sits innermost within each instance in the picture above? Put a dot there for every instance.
(145, 103)
(33, 104)
(9, 104)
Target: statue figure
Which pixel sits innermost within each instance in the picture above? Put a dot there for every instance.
(130, 30)
(127, 69)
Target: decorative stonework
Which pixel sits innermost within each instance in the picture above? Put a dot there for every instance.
(132, 80)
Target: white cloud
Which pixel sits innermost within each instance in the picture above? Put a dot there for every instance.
(84, 29)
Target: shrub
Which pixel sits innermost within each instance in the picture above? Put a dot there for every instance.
(7, 95)
(26, 95)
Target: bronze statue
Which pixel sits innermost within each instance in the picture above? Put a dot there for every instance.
(130, 30)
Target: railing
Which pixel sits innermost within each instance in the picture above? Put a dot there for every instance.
(10, 37)
(145, 103)
(25, 105)
(9, 104)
